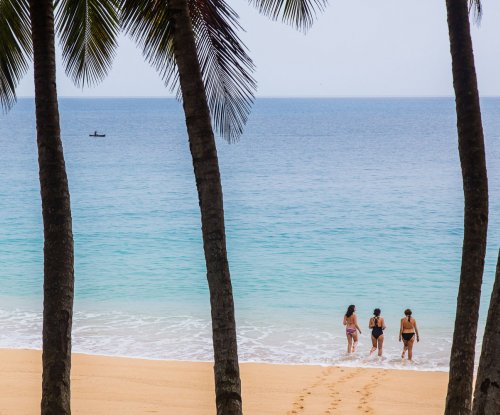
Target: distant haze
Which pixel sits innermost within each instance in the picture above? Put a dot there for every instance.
(356, 48)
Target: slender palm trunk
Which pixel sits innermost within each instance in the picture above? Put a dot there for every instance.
(487, 391)
(58, 237)
(475, 184)
(208, 182)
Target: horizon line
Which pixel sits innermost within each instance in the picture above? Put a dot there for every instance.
(265, 97)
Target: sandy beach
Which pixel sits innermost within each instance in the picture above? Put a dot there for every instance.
(108, 385)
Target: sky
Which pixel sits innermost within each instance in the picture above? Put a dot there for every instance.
(356, 48)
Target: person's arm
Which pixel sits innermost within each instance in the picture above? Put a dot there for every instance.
(383, 324)
(371, 323)
(356, 324)
(345, 321)
(416, 330)
(401, 330)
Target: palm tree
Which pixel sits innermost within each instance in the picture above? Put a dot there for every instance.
(487, 390)
(58, 236)
(475, 184)
(167, 36)
(194, 43)
(27, 32)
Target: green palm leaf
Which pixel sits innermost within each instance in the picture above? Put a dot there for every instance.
(297, 13)
(226, 68)
(15, 48)
(88, 31)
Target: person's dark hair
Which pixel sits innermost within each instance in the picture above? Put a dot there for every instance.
(408, 313)
(376, 312)
(350, 310)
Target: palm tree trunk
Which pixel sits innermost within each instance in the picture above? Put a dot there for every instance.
(475, 184)
(487, 391)
(208, 182)
(58, 237)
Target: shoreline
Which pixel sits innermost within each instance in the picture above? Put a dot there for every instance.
(107, 385)
(355, 364)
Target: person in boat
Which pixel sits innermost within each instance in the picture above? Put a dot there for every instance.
(407, 333)
(377, 324)
(351, 328)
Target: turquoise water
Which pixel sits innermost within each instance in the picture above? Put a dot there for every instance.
(328, 202)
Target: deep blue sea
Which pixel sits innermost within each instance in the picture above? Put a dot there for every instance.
(328, 202)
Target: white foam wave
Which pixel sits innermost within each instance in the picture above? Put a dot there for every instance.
(189, 338)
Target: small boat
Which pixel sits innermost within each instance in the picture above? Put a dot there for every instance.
(96, 134)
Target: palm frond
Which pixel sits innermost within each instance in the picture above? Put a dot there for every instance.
(149, 23)
(478, 10)
(15, 48)
(297, 13)
(226, 68)
(88, 30)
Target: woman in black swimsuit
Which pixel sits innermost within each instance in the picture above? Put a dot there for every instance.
(407, 333)
(377, 324)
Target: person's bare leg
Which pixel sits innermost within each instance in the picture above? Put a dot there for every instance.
(380, 344)
(374, 345)
(355, 338)
(349, 343)
(405, 347)
(410, 348)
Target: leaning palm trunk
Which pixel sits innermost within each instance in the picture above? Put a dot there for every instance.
(487, 391)
(58, 238)
(475, 184)
(208, 182)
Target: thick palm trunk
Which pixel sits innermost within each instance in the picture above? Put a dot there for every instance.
(206, 170)
(487, 391)
(475, 184)
(58, 238)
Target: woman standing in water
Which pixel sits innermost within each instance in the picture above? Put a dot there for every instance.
(351, 323)
(407, 333)
(377, 324)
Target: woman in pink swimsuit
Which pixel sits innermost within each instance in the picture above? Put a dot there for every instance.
(351, 328)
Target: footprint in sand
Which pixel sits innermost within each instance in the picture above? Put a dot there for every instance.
(335, 399)
(298, 404)
(367, 392)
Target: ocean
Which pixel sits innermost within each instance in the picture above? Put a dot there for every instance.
(328, 202)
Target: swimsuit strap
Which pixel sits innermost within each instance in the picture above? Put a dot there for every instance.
(411, 324)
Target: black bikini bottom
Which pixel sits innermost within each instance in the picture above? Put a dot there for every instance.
(407, 336)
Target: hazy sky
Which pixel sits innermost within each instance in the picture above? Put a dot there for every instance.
(356, 48)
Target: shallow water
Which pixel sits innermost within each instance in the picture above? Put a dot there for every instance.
(328, 202)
